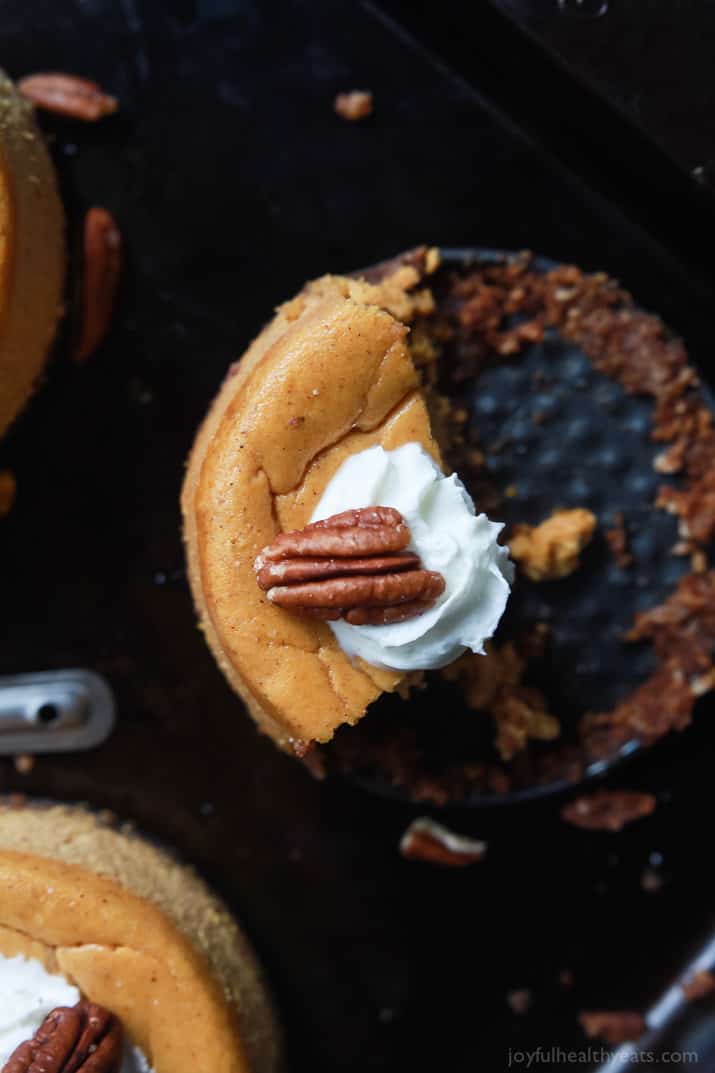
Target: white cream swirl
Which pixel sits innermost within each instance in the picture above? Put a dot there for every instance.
(28, 993)
(448, 535)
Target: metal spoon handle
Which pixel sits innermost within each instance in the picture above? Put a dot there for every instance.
(54, 711)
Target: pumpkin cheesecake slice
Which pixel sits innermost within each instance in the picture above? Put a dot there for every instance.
(316, 513)
(92, 918)
(32, 254)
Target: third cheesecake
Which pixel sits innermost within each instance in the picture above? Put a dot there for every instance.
(94, 915)
(32, 257)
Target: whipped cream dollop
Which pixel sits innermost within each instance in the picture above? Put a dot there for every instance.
(28, 993)
(449, 537)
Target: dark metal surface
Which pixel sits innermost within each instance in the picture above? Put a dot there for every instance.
(652, 61)
(529, 58)
(676, 1025)
(233, 181)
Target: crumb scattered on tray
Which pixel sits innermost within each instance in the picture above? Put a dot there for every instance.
(549, 551)
(613, 1026)
(608, 810)
(617, 540)
(651, 881)
(8, 490)
(433, 843)
(699, 985)
(519, 1001)
(357, 104)
(24, 764)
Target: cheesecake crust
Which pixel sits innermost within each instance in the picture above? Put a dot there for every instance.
(331, 375)
(139, 934)
(32, 252)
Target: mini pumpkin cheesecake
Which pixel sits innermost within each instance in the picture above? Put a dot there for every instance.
(302, 572)
(32, 255)
(131, 932)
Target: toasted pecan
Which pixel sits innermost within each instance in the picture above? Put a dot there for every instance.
(68, 95)
(80, 1039)
(353, 533)
(352, 565)
(433, 843)
(100, 279)
(357, 104)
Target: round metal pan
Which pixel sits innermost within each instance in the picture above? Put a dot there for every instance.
(556, 433)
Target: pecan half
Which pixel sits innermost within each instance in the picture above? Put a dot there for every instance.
(100, 279)
(82, 1039)
(68, 95)
(353, 565)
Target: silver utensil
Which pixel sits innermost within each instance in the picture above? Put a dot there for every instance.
(54, 711)
(678, 1031)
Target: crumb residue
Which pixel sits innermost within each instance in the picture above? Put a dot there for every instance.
(551, 550)
(355, 105)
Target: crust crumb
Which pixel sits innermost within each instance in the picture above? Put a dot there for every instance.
(551, 550)
(493, 683)
(355, 105)
(617, 540)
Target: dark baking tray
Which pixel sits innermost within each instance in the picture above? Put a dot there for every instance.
(233, 182)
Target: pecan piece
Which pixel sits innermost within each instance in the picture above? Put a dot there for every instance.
(100, 279)
(357, 104)
(613, 1026)
(8, 488)
(353, 565)
(68, 95)
(433, 843)
(698, 985)
(82, 1039)
(519, 1000)
(608, 810)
